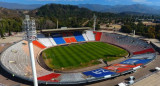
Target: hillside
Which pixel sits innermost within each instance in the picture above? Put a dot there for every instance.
(7, 13)
(68, 15)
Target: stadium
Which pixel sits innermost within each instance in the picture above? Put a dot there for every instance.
(59, 52)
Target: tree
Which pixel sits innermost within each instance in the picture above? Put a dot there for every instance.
(151, 32)
(126, 29)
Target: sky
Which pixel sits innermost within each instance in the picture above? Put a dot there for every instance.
(75, 2)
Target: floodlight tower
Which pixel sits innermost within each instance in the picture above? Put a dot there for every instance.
(94, 25)
(134, 32)
(30, 35)
(57, 23)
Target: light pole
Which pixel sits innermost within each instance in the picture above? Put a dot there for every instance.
(30, 30)
(57, 23)
(94, 25)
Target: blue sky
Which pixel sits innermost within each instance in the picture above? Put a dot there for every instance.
(103, 2)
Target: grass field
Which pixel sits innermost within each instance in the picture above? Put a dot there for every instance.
(81, 55)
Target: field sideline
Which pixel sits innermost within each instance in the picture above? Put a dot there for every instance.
(81, 55)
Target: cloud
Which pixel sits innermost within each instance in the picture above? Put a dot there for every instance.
(142, 1)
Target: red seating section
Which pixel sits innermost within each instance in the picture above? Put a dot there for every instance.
(97, 35)
(70, 39)
(67, 40)
(64, 34)
(38, 44)
(117, 69)
(73, 39)
(70, 34)
(144, 51)
(127, 66)
(49, 77)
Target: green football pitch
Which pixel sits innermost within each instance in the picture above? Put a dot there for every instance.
(81, 55)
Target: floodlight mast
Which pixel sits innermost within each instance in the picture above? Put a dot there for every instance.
(30, 30)
(134, 32)
(94, 25)
(57, 23)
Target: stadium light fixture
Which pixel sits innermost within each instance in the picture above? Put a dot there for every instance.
(30, 35)
(57, 23)
(94, 25)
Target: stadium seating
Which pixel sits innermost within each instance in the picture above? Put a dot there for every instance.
(70, 40)
(78, 36)
(70, 34)
(144, 51)
(126, 65)
(99, 73)
(117, 69)
(85, 37)
(38, 44)
(144, 56)
(64, 34)
(127, 42)
(136, 61)
(98, 36)
(52, 41)
(90, 35)
(50, 77)
(18, 62)
(44, 40)
(68, 77)
(73, 39)
(67, 40)
(58, 39)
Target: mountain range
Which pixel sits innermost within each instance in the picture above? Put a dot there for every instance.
(135, 8)
(19, 6)
(139, 8)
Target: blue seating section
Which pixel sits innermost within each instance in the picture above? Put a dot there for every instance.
(58, 38)
(136, 61)
(98, 73)
(78, 36)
